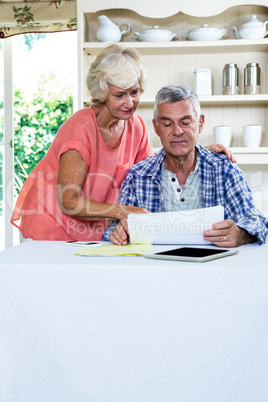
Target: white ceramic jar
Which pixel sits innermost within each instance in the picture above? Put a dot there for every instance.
(222, 135)
(252, 135)
(203, 81)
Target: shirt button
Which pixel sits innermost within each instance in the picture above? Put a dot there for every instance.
(179, 190)
(182, 199)
(173, 179)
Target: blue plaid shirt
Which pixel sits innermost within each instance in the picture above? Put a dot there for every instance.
(221, 183)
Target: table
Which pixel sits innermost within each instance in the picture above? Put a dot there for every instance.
(129, 329)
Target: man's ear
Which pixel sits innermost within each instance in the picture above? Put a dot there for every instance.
(201, 123)
(155, 126)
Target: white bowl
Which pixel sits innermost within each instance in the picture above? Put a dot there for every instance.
(205, 33)
(155, 34)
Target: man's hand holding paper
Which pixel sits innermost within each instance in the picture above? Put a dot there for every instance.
(227, 234)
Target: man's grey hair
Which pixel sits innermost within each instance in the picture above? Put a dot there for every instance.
(172, 94)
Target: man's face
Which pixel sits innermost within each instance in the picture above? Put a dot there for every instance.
(178, 127)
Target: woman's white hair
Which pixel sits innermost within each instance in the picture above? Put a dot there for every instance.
(115, 65)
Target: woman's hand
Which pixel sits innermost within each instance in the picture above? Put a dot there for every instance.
(218, 148)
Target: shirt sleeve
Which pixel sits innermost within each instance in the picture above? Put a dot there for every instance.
(74, 134)
(241, 207)
(127, 196)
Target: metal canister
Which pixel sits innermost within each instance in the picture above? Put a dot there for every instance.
(252, 79)
(230, 79)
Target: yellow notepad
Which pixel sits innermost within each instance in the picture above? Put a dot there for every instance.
(113, 250)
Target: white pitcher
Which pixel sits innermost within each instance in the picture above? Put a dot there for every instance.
(110, 32)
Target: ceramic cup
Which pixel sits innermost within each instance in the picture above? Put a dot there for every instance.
(222, 135)
(252, 135)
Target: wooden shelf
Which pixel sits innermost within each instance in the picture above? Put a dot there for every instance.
(232, 44)
(215, 99)
(223, 99)
(246, 150)
(251, 156)
(244, 155)
(234, 99)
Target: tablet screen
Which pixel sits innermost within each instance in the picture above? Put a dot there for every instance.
(192, 252)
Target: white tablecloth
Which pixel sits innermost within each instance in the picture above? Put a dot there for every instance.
(129, 329)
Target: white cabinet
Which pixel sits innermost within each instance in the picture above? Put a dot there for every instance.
(174, 62)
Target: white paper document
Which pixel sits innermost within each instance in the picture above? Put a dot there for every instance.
(179, 227)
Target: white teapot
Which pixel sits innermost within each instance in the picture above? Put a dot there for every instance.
(110, 32)
(253, 29)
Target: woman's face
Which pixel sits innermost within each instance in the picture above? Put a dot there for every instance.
(122, 103)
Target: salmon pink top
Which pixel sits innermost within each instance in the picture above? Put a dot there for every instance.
(37, 212)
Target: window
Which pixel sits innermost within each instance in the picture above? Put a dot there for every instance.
(2, 225)
(44, 73)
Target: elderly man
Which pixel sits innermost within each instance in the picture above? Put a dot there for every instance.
(184, 176)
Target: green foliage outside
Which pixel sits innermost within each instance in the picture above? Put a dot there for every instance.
(39, 109)
(35, 128)
(36, 124)
(31, 39)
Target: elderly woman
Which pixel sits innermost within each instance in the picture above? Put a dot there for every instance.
(72, 192)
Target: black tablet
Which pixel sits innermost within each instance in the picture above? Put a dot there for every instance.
(197, 254)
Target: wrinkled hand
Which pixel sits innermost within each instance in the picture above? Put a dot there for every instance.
(120, 234)
(227, 234)
(218, 148)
